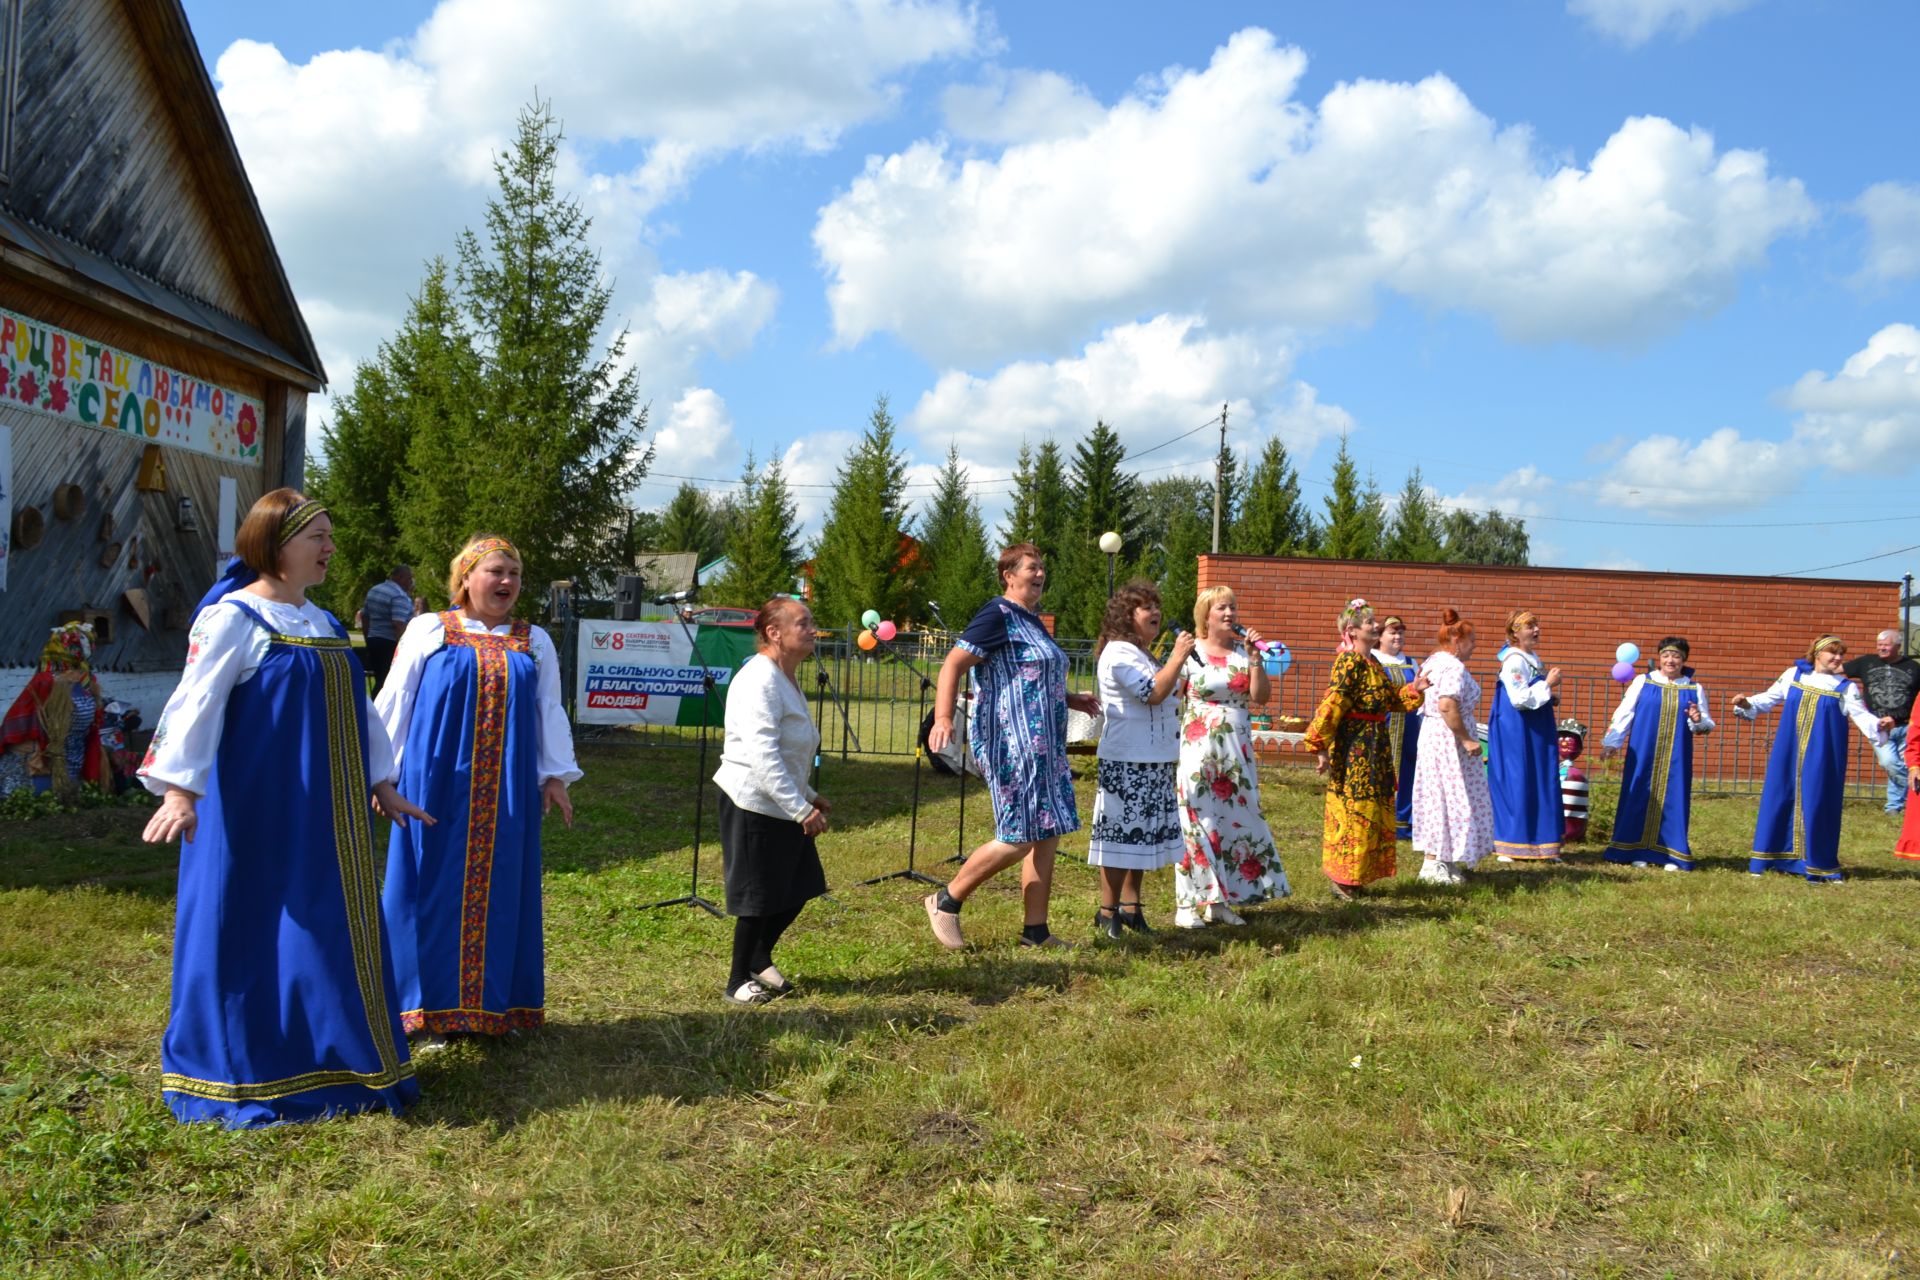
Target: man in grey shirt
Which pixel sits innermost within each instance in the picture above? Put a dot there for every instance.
(1889, 681)
(385, 615)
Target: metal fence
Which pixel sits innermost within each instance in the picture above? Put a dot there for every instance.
(870, 703)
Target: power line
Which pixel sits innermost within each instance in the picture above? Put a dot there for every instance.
(1844, 563)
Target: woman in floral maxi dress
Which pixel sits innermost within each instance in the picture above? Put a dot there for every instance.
(1452, 808)
(1229, 856)
(1351, 744)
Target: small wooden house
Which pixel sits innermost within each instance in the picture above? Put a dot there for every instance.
(154, 365)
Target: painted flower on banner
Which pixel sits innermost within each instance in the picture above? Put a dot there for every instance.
(57, 398)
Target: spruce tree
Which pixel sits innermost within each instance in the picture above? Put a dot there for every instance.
(1491, 538)
(763, 548)
(690, 523)
(1103, 497)
(1414, 534)
(546, 443)
(1273, 521)
(1040, 509)
(1352, 529)
(957, 570)
(860, 562)
(1189, 537)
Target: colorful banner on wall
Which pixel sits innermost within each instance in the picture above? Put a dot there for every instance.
(65, 376)
(645, 672)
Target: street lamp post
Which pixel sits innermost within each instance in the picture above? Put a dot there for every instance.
(1110, 543)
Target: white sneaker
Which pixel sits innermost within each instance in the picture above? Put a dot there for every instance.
(1434, 871)
(1640, 862)
(1221, 913)
(1503, 858)
(1673, 866)
(1189, 918)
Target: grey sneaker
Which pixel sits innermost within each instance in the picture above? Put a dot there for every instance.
(945, 925)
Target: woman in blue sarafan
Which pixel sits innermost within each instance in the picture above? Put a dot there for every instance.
(1523, 744)
(1658, 716)
(283, 1003)
(1403, 734)
(473, 707)
(1798, 830)
(1018, 732)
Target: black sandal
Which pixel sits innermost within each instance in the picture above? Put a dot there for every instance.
(1107, 923)
(1135, 919)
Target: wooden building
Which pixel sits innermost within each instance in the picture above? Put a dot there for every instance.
(154, 365)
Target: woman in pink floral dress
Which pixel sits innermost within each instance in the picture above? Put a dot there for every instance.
(1229, 858)
(1452, 807)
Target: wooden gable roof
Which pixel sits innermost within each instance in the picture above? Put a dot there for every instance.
(125, 189)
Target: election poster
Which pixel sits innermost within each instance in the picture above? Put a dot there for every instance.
(645, 672)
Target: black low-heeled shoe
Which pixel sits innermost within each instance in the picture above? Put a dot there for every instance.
(1135, 919)
(1107, 924)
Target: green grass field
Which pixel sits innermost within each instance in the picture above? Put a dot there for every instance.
(1559, 1071)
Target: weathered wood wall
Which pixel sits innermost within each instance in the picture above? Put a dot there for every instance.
(99, 158)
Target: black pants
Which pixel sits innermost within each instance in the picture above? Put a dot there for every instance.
(379, 659)
(753, 939)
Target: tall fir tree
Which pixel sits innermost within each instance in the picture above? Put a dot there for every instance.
(957, 569)
(862, 561)
(1041, 506)
(546, 442)
(1352, 530)
(1103, 497)
(1414, 534)
(763, 546)
(691, 523)
(1233, 496)
(1188, 538)
(1274, 520)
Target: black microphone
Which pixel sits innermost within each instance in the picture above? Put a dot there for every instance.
(678, 597)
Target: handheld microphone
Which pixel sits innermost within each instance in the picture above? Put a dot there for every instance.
(677, 597)
(1263, 646)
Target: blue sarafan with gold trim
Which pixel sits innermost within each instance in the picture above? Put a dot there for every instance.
(1405, 736)
(283, 1002)
(1656, 785)
(462, 897)
(1523, 774)
(1798, 830)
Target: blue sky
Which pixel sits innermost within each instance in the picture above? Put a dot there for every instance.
(1646, 272)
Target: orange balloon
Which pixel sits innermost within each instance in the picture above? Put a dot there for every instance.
(866, 640)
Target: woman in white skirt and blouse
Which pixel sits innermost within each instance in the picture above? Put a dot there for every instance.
(769, 816)
(1136, 811)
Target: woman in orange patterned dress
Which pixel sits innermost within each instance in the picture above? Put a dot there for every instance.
(1351, 744)
(473, 706)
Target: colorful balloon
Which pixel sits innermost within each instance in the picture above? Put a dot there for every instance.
(1628, 652)
(870, 619)
(886, 631)
(1623, 670)
(866, 640)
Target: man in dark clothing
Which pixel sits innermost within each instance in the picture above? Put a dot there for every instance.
(1889, 680)
(388, 609)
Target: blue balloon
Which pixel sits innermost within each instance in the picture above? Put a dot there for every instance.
(1628, 652)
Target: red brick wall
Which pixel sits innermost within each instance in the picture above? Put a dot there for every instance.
(1743, 630)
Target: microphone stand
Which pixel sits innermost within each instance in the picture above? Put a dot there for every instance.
(966, 745)
(692, 898)
(919, 759)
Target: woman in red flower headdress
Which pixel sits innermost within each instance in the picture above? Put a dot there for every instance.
(1351, 744)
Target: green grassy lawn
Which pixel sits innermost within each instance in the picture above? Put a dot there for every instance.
(1558, 1071)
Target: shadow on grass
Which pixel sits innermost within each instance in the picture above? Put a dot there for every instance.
(98, 848)
(678, 1057)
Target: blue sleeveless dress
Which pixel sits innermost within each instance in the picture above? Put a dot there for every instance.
(462, 897)
(1523, 774)
(1403, 731)
(283, 1003)
(1656, 786)
(1798, 829)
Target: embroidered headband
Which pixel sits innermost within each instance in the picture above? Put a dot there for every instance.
(1827, 642)
(1680, 649)
(1393, 620)
(1519, 618)
(299, 518)
(480, 551)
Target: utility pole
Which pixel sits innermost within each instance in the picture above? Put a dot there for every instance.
(1219, 479)
(1906, 610)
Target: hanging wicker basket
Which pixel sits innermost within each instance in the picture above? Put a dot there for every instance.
(29, 527)
(69, 500)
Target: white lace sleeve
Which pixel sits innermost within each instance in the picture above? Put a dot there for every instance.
(1525, 694)
(1623, 714)
(1705, 723)
(1775, 695)
(394, 707)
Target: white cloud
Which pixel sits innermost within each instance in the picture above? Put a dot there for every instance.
(1149, 381)
(1723, 472)
(1020, 106)
(1613, 560)
(1521, 492)
(811, 465)
(695, 436)
(1892, 213)
(1217, 192)
(366, 162)
(686, 315)
(1634, 22)
(1865, 418)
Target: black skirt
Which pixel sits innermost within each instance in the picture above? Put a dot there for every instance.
(770, 865)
